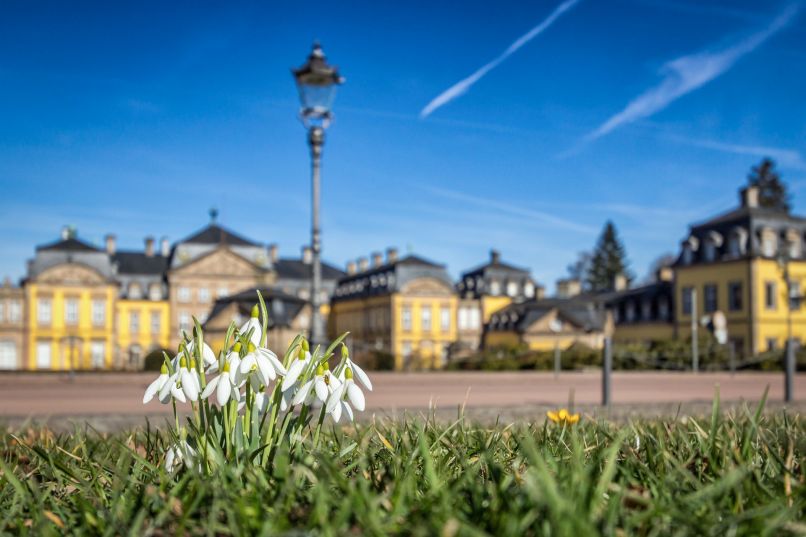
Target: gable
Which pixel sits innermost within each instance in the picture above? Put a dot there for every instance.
(550, 323)
(427, 286)
(71, 274)
(219, 262)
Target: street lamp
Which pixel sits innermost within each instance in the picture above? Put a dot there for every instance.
(793, 298)
(316, 83)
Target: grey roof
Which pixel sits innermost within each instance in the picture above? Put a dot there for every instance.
(653, 294)
(388, 278)
(140, 263)
(215, 234)
(497, 267)
(68, 245)
(582, 311)
(296, 269)
(281, 307)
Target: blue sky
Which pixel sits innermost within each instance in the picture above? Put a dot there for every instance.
(137, 119)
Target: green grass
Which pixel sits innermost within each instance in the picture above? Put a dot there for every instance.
(736, 474)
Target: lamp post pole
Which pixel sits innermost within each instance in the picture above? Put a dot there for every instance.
(316, 140)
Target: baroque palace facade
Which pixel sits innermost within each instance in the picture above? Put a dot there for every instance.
(81, 306)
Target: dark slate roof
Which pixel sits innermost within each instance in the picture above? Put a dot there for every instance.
(498, 266)
(582, 311)
(68, 245)
(282, 307)
(653, 294)
(215, 234)
(140, 263)
(388, 277)
(295, 269)
(745, 214)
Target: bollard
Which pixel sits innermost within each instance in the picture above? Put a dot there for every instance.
(789, 372)
(732, 357)
(607, 367)
(557, 365)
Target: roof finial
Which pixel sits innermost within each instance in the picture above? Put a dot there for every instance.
(213, 215)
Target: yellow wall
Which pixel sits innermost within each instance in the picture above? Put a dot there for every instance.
(491, 304)
(426, 346)
(643, 332)
(145, 338)
(772, 323)
(62, 353)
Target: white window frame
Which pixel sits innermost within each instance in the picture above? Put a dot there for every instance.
(405, 318)
(425, 318)
(184, 321)
(71, 311)
(98, 312)
(156, 322)
(445, 319)
(134, 322)
(463, 320)
(8, 355)
(204, 295)
(183, 294)
(97, 354)
(14, 311)
(44, 355)
(512, 289)
(44, 311)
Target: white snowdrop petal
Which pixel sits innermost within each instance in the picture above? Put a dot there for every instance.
(189, 385)
(333, 401)
(321, 389)
(362, 376)
(178, 394)
(210, 388)
(247, 363)
(300, 396)
(166, 389)
(208, 355)
(152, 389)
(274, 361)
(265, 368)
(348, 410)
(336, 414)
(293, 374)
(356, 396)
(223, 391)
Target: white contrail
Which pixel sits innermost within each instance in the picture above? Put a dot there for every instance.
(462, 86)
(687, 73)
(788, 158)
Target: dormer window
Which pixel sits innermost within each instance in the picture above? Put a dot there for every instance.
(495, 288)
(769, 242)
(712, 243)
(135, 291)
(793, 244)
(529, 289)
(737, 244)
(512, 289)
(155, 291)
(690, 246)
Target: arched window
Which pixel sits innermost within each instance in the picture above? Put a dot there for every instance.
(135, 291)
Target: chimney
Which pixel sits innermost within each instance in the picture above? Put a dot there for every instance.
(568, 288)
(619, 282)
(749, 196)
(391, 255)
(65, 232)
(273, 252)
(540, 292)
(149, 246)
(307, 255)
(363, 264)
(165, 247)
(664, 274)
(495, 256)
(111, 247)
(377, 259)
(351, 268)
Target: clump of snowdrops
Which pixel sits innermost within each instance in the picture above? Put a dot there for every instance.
(246, 401)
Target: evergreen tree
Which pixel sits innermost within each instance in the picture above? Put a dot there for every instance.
(772, 191)
(609, 260)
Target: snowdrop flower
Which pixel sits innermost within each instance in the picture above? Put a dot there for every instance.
(345, 395)
(182, 384)
(296, 368)
(179, 454)
(349, 364)
(224, 387)
(207, 354)
(261, 361)
(261, 401)
(155, 387)
(171, 389)
(321, 386)
(254, 325)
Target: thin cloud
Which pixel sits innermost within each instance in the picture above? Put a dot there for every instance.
(688, 73)
(787, 158)
(511, 209)
(461, 87)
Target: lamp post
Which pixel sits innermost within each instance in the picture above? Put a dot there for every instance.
(789, 356)
(316, 82)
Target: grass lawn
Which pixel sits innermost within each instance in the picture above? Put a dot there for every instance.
(739, 474)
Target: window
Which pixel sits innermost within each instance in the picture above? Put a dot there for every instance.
(710, 298)
(772, 344)
(135, 291)
(663, 309)
(475, 318)
(709, 254)
(529, 289)
(98, 312)
(222, 292)
(2, 312)
(646, 310)
(134, 356)
(156, 322)
(184, 321)
(687, 295)
(155, 291)
(512, 289)
(406, 318)
(134, 322)
(203, 315)
(43, 354)
(183, 294)
(794, 296)
(735, 296)
(770, 301)
(43, 312)
(629, 312)
(406, 349)
(495, 288)
(463, 319)
(445, 319)
(14, 311)
(688, 254)
(8, 355)
(97, 354)
(71, 311)
(204, 295)
(768, 243)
